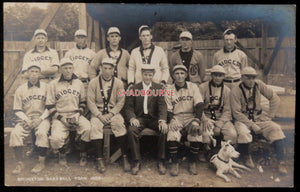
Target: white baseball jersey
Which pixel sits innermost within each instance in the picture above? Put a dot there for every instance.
(30, 99)
(66, 96)
(184, 100)
(82, 59)
(45, 59)
(233, 62)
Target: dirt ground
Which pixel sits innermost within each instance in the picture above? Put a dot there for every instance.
(74, 175)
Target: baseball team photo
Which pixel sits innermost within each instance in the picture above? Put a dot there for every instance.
(149, 95)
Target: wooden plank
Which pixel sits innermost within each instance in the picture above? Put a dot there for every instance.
(96, 35)
(257, 63)
(82, 16)
(89, 30)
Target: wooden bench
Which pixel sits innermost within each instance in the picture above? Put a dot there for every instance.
(116, 155)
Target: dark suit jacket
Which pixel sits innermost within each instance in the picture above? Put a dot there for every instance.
(157, 107)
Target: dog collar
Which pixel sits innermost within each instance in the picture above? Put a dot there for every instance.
(222, 159)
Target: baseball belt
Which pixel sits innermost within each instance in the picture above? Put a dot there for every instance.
(231, 81)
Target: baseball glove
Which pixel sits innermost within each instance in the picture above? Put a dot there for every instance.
(25, 125)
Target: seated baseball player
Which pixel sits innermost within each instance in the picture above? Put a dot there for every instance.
(146, 111)
(105, 105)
(217, 109)
(185, 110)
(29, 106)
(249, 117)
(66, 102)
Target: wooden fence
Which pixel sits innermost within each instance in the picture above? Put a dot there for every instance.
(283, 67)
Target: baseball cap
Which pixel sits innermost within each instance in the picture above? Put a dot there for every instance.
(108, 61)
(217, 69)
(228, 31)
(186, 34)
(113, 30)
(65, 61)
(40, 32)
(177, 67)
(147, 67)
(80, 32)
(143, 27)
(249, 71)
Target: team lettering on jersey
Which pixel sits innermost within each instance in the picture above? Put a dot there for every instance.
(33, 97)
(80, 57)
(60, 94)
(182, 98)
(230, 61)
(41, 58)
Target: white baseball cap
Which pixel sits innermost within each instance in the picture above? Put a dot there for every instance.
(182, 67)
(142, 27)
(249, 71)
(108, 60)
(65, 61)
(218, 69)
(186, 34)
(147, 67)
(80, 32)
(113, 30)
(40, 31)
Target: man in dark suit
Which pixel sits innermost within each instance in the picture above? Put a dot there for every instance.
(146, 111)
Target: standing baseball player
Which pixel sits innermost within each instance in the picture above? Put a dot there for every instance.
(190, 58)
(149, 54)
(217, 109)
(185, 110)
(29, 106)
(43, 56)
(114, 51)
(66, 102)
(249, 117)
(81, 57)
(105, 105)
(146, 111)
(232, 59)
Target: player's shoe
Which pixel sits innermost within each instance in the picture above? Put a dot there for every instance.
(282, 168)
(249, 162)
(40, 166)
(193, 168)
(83, 160)
(161, 168)
(126, 165)
(174, 169)
(202, 157)
(62, 159)
(20, 166)
(100, 165)
(135, 169)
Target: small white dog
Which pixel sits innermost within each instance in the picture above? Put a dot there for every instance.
(224, 163)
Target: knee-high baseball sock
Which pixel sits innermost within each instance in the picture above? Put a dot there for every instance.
(98, 144)
(243, 148)
(279, 149)
(219, 138)
(123, 144)
(194, 150)
(83, 145)
(42, 151)
(18, 153)
(173, 150)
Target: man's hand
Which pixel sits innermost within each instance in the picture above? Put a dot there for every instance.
(107, 118)
(36, 122)
(209, 125)
(26, 124)
(175, 125)
(135, 122)
(65, 122)
(163, 127)
(256, 128)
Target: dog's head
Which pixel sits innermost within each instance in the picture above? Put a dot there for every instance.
(227, 150)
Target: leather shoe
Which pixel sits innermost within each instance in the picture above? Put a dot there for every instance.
(83, 160)
(100, 165)
(135, 169)
(193, 168)
(282, 168)
(126, 165)
(161, 168)
(249, 162)
(174, 169)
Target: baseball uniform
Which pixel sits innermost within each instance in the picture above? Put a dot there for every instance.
(155, 56)
(233, 62)
(66, 98)
(246, 110)
(30, 99)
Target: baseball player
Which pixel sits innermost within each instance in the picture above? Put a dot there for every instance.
(43, 56)
(232, 59)
(217, 109)
(150, 54)
(187, 56)
(146, 111)
(81, 57)
(114, 51)
(29, 106)
(66, 102)
(105, 105)
(185, 110)
(249, 117)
